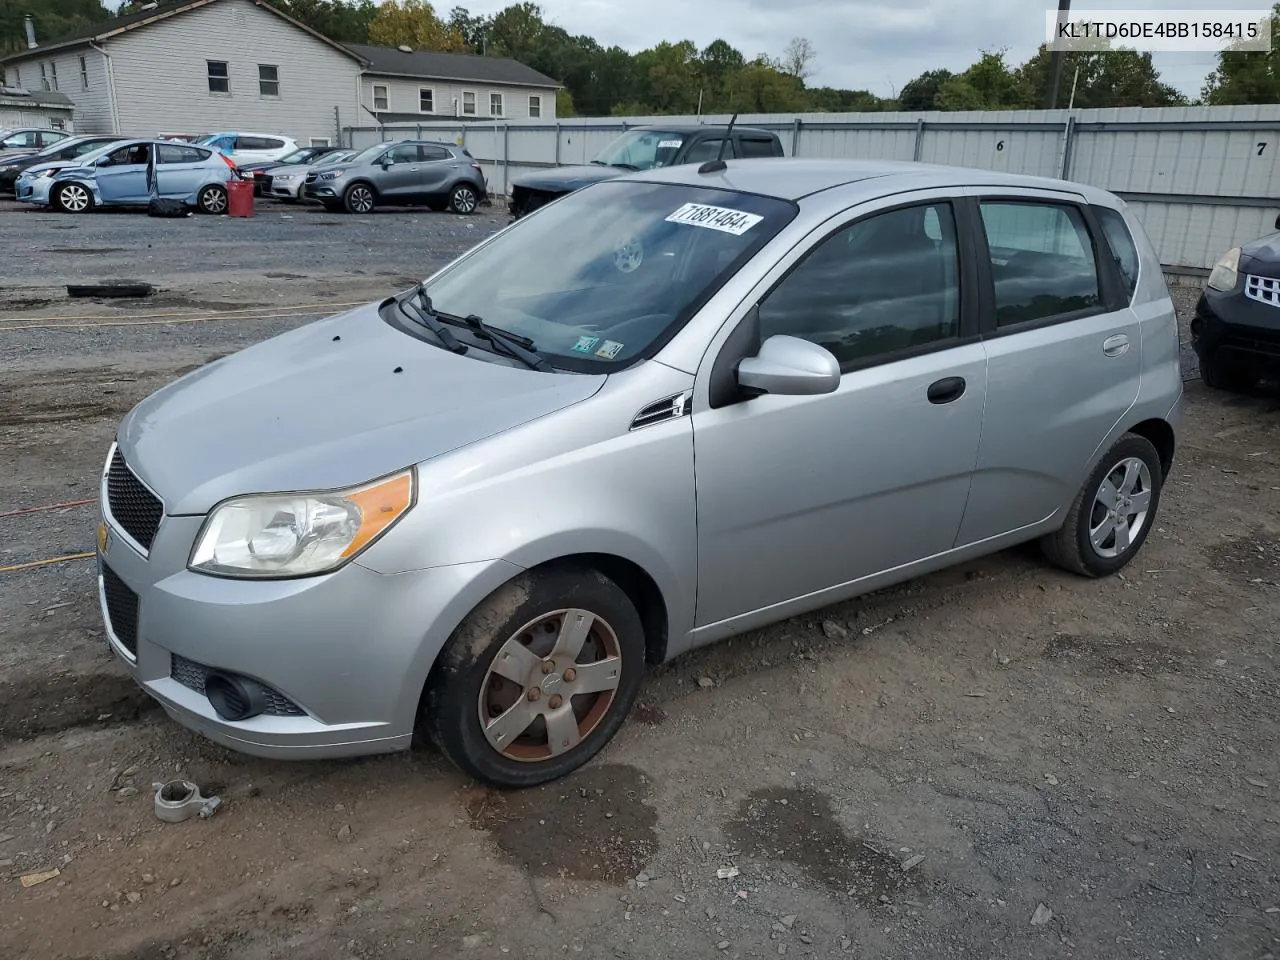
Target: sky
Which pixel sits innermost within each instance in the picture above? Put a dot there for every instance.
(875, 45)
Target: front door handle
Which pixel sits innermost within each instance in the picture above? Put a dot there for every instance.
(946, 390)
(1115, 346)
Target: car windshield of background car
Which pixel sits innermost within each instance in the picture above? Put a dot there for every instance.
(641, 150)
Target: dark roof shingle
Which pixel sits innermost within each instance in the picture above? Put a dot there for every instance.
(428, 64)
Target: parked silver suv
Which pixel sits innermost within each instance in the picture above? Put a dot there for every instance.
(666, 409)
(440, 175)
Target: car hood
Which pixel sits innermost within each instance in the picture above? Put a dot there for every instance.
(563, 179)
(332, 404)
(1261, 257)
(12, 159)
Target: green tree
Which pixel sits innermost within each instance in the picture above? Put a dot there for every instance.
(53, 19)
(518, 32)
(412, 23)
(1105, 78)
(340, 20)
(922, 92)
(1243, 76)
(828, 100)
(669, 77)
(760, 88)
(473, 29)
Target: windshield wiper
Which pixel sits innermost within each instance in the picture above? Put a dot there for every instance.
(512, 344)
(625, 166)
(425, 315)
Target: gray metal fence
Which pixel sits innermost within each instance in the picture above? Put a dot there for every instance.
(1201, 179)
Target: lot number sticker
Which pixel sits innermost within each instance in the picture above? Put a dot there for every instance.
(736, 222)
(668, 144)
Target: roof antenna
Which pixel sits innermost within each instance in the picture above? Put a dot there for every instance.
(713, 166)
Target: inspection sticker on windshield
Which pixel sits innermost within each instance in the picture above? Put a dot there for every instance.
(585, 344)
(609, 349)
(723, 219)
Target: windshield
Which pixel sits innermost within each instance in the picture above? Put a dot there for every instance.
(298, 156)
(368, 153)
(86, 159)
(337, 156)
(605, 273)
(641, 149)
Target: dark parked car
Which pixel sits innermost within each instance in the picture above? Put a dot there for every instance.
(70, 148)
(642, 148)
(1236, 328)
(257, 169)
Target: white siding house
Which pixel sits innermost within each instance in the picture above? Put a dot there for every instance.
(38, 109)
(402, 85)
(198, 66)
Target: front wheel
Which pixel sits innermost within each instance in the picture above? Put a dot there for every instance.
(212, 199)
(464, 199)
(538, 678)
(72, 198)
(358, 198)
(1111, 516)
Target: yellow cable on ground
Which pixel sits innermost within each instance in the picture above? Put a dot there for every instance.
(148, 316)
(44, 563)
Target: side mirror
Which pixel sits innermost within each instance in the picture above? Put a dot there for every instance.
(1278, 222)
(791, 367)
(385, 162)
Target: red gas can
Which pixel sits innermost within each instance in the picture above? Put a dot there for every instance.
(240, 197)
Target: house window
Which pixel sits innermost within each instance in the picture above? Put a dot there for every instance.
(469, 102)
(319, 141)
(53, 75)
(426, 100)
(58, 124)
(535, 105)
(268, 80)
(44, 78)
(495, 104)
(380, 98)
(219, 79)
(84, 74)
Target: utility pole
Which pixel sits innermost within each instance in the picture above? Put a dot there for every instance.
(1055, 60)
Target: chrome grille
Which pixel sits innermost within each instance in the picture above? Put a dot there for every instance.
(1263, 289)
(132, 506)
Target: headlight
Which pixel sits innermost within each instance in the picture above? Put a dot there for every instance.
(1223, 275)
(297, 535)
(12, 168)
(332, 175)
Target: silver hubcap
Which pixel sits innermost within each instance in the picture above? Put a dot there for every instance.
(215, 201)
(361, 200)
(1120, 508)
(550, 685)
(464, 201)
(75, 199)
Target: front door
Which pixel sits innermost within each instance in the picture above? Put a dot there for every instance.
(797, 495)
(400, 180)
(122, 175)
(1064, 360)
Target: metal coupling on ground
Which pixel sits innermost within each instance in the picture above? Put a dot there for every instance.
(179, 800)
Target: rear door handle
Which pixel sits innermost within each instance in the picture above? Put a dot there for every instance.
(946, 390)
(1115, 346)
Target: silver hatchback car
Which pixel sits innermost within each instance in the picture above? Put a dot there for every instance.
(663, 410)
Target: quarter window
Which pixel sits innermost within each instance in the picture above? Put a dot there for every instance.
(469, 102)
(758, 148)
(495, 104)
(1042, 261)
(426, 100)
(873, 289)
(1121, 243)
(380, 99)
(219, 79)
(535, 105)
(268, 80)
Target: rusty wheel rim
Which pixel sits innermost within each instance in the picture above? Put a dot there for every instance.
(550, 685)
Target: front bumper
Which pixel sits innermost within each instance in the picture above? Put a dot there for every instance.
(289, 189)
(346, 653)
(1237, 328)
(326, 190)
(32, 191)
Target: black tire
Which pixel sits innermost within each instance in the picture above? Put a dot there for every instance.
(359, 198)
(1219, 374)
(212, 200)
(1071, 547)
(333, 206)
(78, 198)
(464, 199)
(450, 713)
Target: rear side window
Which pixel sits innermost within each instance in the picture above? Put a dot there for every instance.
(760, 148)
(708, 150)
(435, 153)
(1042, 261)
(1120, 240)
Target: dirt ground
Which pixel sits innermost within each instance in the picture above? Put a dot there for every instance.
(1001, 760)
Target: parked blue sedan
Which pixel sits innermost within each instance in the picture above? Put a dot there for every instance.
(132, 173)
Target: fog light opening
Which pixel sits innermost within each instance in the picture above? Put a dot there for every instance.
(234, 698)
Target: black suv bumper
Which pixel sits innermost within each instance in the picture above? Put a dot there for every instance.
(1236, 328)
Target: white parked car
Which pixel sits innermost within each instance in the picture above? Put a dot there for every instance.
(242, 147)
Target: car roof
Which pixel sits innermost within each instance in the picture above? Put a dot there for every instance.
(687, 128)
(790, 178)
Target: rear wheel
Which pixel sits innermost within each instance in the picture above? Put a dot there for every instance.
(463, 199)
(72, 198)
(1111, 516)
(358, 198)
(212, 199)
(538, 678)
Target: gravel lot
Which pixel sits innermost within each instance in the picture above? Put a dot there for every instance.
(1105, 749)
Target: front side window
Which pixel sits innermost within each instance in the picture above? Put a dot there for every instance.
(1120, 240)
(268, 80)
(641, 150)
(597, 278)
(873, 289)
(219, 78)
(495, 104)
(535, 105)
(426, 100)
(1042, 261)
(125, 156)
(27, 139)
(404, 153)
(468, 102)
(381, 100)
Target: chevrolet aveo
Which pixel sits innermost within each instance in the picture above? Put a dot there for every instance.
(663, 410)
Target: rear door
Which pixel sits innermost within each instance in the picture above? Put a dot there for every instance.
(179, 169)
(436, 168)
(1063, 355)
